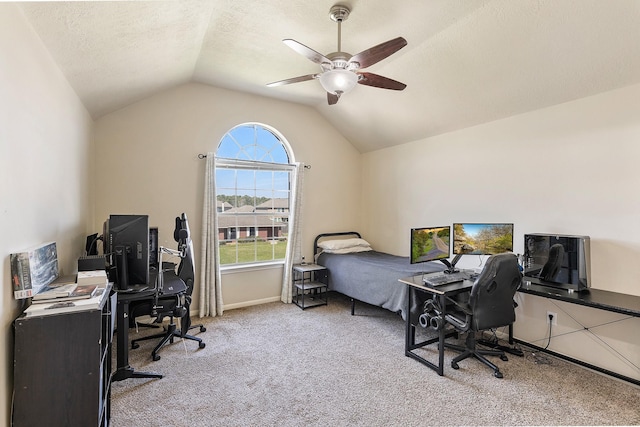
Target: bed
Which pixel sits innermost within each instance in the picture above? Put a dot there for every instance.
(366, 275)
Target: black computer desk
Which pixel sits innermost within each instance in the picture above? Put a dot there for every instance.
(440, 292)
(595, 298)
(123, 369)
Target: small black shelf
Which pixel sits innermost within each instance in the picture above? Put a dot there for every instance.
(310, 285)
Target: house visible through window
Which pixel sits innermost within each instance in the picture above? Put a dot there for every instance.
(253, 176)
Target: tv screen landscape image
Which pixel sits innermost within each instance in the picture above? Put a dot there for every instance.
(429, 244)
(482, 239)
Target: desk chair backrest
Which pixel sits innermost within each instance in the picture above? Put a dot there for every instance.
(186, 269)
(491, 298)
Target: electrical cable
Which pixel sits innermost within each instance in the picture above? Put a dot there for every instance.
(494, 341)
(595, 337)
(550, 325)
(184, 342)
(541, 359)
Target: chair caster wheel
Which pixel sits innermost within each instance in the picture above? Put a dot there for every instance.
(156, 357)
(504, 357)
(201, 345)
(454, 365)
(135, 345)
(203, 329)
(497, 374)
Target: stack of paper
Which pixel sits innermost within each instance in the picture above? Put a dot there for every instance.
(65, 305)
(61, 287)
(65, 289)
(94, 277)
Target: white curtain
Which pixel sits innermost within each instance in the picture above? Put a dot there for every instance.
(210, 282)
(294, 243)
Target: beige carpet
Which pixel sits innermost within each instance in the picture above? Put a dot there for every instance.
(276, 365)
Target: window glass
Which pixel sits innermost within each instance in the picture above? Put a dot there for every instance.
(253, 182)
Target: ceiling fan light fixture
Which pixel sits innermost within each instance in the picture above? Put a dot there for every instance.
(338, 81)
(341, 70)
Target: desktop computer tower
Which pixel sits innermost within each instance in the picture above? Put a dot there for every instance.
(558, 260)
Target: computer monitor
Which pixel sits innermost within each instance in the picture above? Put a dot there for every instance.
(482, 239)
(126, 239)
(430, 244)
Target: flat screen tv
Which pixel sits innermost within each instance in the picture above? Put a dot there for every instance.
(482, 239)
(430, 244)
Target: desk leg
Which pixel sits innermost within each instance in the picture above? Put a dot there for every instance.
(410, 330)
(410, 341)
(123, 370)
(442, 336)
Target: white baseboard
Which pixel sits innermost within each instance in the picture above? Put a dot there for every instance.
(250, 303)
(195, 313)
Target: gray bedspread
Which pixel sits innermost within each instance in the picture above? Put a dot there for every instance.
(372, 277)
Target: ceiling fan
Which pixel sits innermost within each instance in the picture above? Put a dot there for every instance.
(340, 70)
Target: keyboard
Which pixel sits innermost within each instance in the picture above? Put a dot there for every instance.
(445, 279)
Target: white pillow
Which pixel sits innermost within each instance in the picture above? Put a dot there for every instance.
(351, 250)
(343, 243)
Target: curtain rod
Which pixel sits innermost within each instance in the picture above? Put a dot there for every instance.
(204, 156)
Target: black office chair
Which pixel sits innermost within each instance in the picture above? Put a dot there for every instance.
(490, 306)
(173, 297)
(552, 267)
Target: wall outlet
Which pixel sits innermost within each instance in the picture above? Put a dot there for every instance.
(555, 317)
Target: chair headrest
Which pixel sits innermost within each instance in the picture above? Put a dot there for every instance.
(499, 268)
(181, 231)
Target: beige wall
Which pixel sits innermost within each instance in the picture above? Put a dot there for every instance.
(45, 140)
(146, 157)
(570, 169)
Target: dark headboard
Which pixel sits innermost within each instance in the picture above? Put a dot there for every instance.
(341, 233)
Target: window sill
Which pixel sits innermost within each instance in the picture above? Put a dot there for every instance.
(232, 269)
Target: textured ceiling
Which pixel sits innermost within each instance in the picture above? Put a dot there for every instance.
(466, 62)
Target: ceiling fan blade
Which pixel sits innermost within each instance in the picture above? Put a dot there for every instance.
(332, 98)
(293, 80)
(368, 57)
(375, 80)
(307, 52)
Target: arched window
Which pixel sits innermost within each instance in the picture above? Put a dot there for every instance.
(253, 191)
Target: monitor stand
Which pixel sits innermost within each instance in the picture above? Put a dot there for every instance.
(122, 266)
(451, 265)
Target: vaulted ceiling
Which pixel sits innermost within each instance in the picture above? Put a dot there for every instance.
(466, 62)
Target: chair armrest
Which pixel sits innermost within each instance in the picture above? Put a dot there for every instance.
(462, 306)
(460, 317)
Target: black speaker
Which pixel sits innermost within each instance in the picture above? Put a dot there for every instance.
(92, 262)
